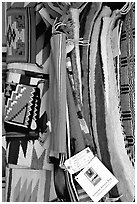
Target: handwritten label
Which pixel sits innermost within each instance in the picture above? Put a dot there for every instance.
(79, 161)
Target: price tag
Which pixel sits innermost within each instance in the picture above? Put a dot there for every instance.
(79, 161)
(69, 46)
(96, 179)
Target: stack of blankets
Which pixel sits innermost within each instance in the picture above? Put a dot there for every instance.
(68, 83)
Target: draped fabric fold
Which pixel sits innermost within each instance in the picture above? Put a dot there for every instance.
(119, 159)
(92, 62)
(88, 15)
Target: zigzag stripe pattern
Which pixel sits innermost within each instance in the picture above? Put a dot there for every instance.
(31, 155)
(22, 96)
(28, 185)
(25, 194)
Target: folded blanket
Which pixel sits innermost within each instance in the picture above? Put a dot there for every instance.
(121, 165)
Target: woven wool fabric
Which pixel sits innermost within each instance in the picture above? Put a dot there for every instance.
(85, 32)
(127, 81)
(76, 84)
(100, 118)
(121, 165)
(19, 103)
(75, 58)
(23, 152)
(4, 66)
(69, 178)
(28, 36)
(84, 128)
(19, 42)
(3, 168)
(3, 188)
(29, 175)
(93, 51)
(74, 144)
(98, 88)
(83, 196)
(75, 130)
(28, 154)
(20, 4)
(57, 95)
(74, 12)
(26, 185)
(39, 54)
(4, 40)
(87, 18)
(4, 46)
(43, 35)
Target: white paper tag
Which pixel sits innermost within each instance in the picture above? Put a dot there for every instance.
(69, 46)
(79, 161)
(96, 179)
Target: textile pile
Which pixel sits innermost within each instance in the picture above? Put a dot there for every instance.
(68, 83)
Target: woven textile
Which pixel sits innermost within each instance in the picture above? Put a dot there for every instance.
(20, 44)
(69, 83)
(75, 131)
(119, 159)
(24, 153)
(92, 62)
(86, 28)
(127, 81)
(3, 169)
(27, 36)
(26, 185)
(87, 19)
(57, 95)
(19, 103)
(28, 154)
(97, 92)
(4, 66)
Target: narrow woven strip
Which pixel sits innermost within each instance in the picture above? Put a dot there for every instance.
(78, 143)
(88, 15)
(75, 130)
(69, 178)
(93, 51)
(4, 66)
(3, 188)
(84, 128)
